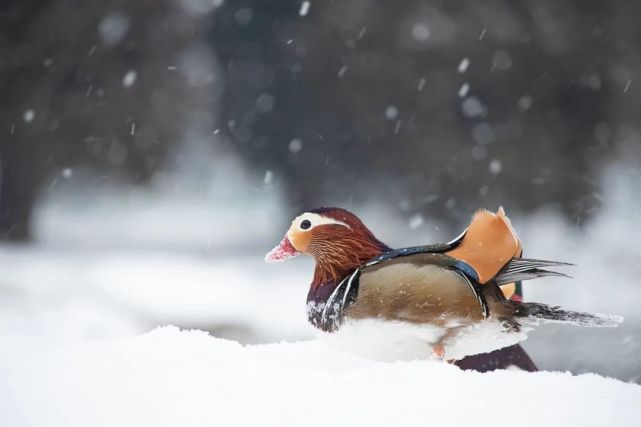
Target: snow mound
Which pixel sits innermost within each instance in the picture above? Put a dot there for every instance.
(175, 378)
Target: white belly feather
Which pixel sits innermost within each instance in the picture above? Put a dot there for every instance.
(390, 341)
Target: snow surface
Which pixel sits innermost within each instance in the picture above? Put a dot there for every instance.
(111, 265)
(175, 378)
(53, 297)
(115, 264)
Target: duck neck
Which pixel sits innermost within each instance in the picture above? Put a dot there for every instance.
(332, 267)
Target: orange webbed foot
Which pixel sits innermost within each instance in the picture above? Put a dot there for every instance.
(438, 351)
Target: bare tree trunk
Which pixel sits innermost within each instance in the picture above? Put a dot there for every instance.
(17, 195)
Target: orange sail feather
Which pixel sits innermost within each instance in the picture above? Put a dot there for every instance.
(489, 244)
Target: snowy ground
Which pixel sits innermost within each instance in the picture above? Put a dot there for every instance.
(111, 265)
(174, 378)
(114, 263)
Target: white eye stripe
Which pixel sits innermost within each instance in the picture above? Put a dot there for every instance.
(315, 220)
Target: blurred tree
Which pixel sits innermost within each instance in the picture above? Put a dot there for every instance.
(95, 84)
(441, 106)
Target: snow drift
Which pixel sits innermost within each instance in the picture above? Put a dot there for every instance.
(174, 378)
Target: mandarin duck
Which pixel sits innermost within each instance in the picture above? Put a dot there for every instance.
(445, 301)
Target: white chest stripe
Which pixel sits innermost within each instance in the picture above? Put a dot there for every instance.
(349, 286)
(347, 282)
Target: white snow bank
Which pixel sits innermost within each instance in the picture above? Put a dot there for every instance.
(112, 263)
(174, 378)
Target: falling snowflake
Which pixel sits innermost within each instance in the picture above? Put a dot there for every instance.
(465, 88)
(269, 175)
(416, 221)
(473, 107)
(462, 66)
(129, 79)
(295, 146)
(28, 116)
(495, 167)
(525, 102)
(304, 8)
(391, 112)
(420, 32)
(265, 103)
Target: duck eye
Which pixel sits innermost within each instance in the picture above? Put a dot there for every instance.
(305, 224)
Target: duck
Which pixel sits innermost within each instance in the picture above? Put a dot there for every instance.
(445, 301)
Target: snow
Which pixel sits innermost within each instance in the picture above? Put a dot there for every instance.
(200, 7)
(57, 297)
(473, 107)
(524, 103)
(495, 166)
(269, 176)
(129, 78)
(627, 86)
(420, 31)
(391, 112)
(116, 264)
(465, 88)
(75, 309)
(295, 145)
(304, 8)
(416, 221)
(112, 29)
(265, 103)
(67, 173)
(174, 378)
(393, 341)
(28, 115)
(483, 133)
(501, 61)
(462, 66)
(244, 16)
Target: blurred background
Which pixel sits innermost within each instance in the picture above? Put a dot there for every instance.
(151, 152)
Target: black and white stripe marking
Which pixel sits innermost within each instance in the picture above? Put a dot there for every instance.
(344, 294)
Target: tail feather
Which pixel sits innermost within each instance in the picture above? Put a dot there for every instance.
(525, 269)
(535, 273)
(556, 314)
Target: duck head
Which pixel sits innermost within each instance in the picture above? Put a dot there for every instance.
(335, 237)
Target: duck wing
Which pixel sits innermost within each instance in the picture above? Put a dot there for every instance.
(488, 250)
(417, 288)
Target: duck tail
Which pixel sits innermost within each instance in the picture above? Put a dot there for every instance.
(548, 313)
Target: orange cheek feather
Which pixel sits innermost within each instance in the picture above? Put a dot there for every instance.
(300, 239)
